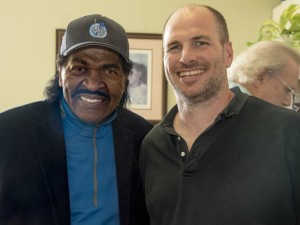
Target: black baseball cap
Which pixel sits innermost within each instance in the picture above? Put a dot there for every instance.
(95, 30)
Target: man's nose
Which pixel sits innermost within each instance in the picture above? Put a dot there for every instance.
(187, 55)
(94, 80)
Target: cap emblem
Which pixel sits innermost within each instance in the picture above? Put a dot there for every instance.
(98, 30)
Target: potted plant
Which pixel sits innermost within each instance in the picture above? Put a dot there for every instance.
(287, 29)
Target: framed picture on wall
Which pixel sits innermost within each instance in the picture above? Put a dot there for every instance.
(59, 36)
(140, 85)
(146, 55)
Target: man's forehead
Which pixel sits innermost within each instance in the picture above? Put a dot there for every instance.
(189, 13)
(184, 20)
(96, 54)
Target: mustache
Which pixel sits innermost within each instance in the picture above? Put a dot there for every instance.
(85, 91)
(189, 65)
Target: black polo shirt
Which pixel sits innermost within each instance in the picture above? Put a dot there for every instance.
(242, 170)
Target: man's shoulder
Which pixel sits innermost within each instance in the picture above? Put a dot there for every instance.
(266, 111)
(25, 113)
(20, 108)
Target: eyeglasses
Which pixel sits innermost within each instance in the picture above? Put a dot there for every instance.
(296, 102)
(295, 97)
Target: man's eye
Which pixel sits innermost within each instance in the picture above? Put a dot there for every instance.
(78, 70)
(289, 90)
(199, 43)
(111, 71)
(173, 48)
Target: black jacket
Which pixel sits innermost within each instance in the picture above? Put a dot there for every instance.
(33, 172)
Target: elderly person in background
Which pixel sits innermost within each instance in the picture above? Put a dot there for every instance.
(268, 70)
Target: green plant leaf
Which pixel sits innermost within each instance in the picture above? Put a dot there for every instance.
(269, 30)
(295, 23)
(296, 36)
(286, 30)
(249, 43)
(286, 15)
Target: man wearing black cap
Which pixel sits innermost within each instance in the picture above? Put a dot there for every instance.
(73, 158)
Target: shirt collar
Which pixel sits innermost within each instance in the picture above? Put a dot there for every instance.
(233, 85)
(233, 108)
(76, 124)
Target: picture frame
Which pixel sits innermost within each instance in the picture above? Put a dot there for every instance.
(59, 36)
(145, 49)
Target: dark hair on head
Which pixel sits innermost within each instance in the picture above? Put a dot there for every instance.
(53, 92)
(220, 20)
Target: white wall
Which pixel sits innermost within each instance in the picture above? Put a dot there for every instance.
(277, 11)
(27, 40)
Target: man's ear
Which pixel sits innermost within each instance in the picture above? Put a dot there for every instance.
(228, 53)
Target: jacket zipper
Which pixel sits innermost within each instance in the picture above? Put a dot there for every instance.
(95, 168)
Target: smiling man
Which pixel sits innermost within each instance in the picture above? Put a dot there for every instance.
(218, 157)
(73, 158)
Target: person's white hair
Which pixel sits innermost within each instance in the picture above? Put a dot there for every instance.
(259, 58)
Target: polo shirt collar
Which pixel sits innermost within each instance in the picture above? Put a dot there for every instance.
(233, 108)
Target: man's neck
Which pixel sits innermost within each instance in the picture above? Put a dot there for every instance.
(192, 120)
